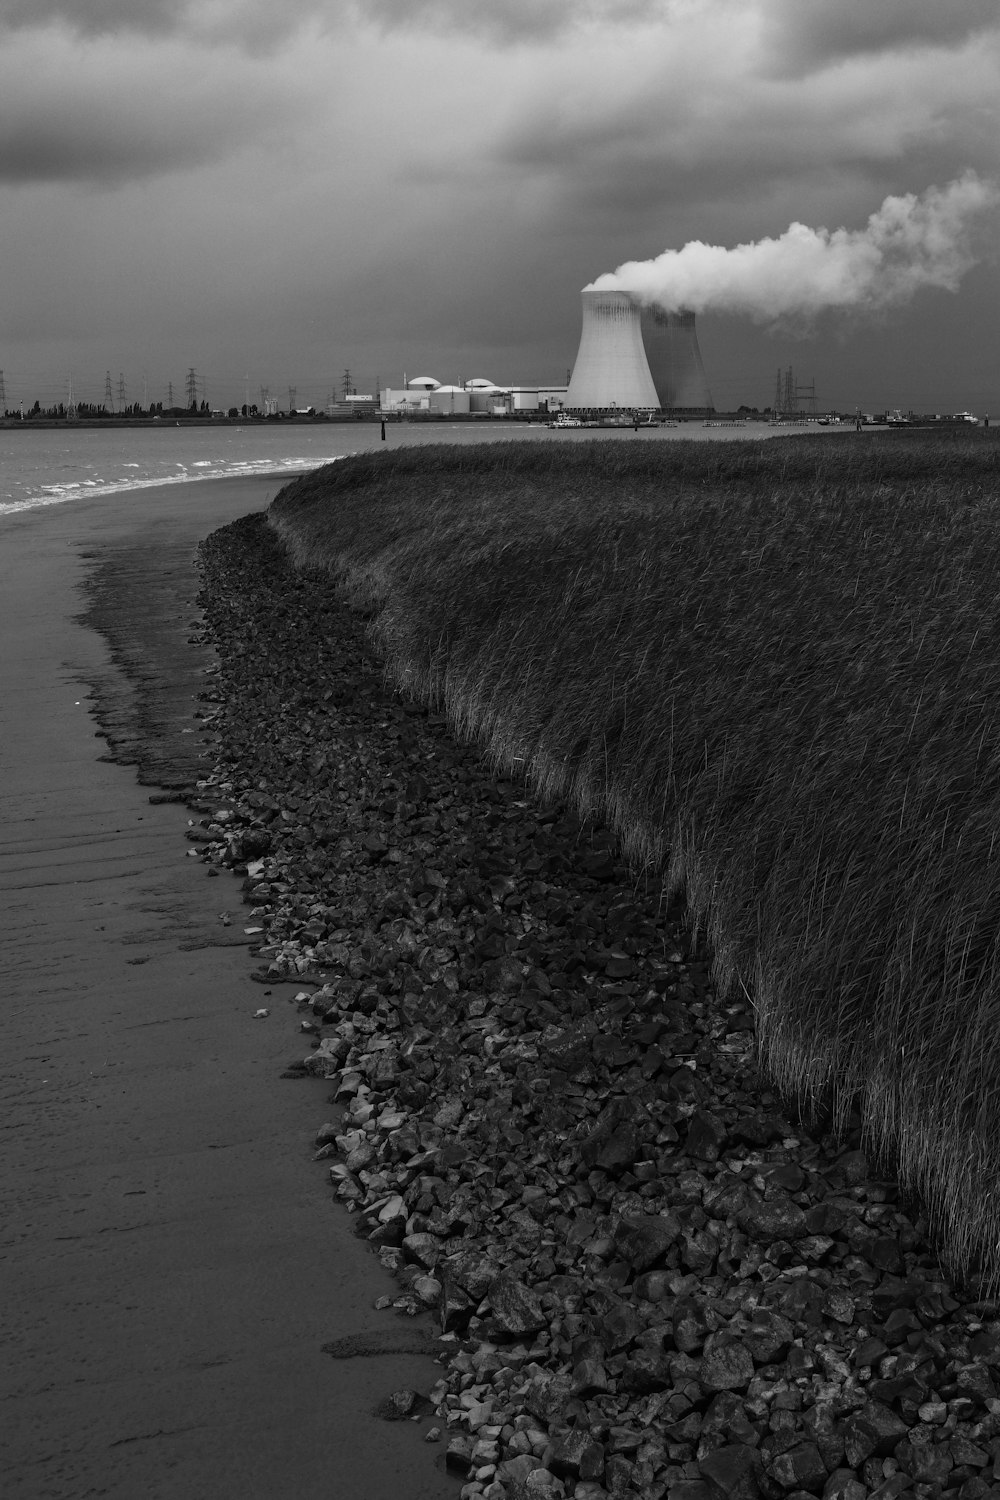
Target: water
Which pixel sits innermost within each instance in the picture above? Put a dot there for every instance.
(55, 466)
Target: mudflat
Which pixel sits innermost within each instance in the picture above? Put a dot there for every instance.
(171, 1262)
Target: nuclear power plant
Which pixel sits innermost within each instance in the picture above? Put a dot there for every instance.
(631, 359)
(639, 360)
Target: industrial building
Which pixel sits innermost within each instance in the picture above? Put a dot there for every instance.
(424, 395)
(630, 359)
(671, 343)
(637, 359)
(611, 369)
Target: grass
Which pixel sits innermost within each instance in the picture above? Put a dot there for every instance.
(774, 669)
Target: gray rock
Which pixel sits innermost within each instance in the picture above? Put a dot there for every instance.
(706, 1136)
(768, 1337)
(874, 1430)
(643, 1239)
(799, 1468)
(772, 1219)
(690, 1325)
(575, 1455)
(516, 1308)
(733, 1469)
(726, 1365)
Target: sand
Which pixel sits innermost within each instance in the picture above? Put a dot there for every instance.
(171, 1258)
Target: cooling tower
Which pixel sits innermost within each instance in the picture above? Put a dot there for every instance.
(611, 368)
(671, 342)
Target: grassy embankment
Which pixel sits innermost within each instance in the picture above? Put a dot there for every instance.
(775, 669)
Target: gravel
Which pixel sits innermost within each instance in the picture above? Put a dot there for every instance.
(650, 1278)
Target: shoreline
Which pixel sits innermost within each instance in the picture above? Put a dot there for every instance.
(662, 1284)
(171, 1274)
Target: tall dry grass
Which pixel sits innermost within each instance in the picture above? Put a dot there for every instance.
(774, 668)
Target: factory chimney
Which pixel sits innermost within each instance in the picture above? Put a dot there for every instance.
(671, 342)
(611, 368)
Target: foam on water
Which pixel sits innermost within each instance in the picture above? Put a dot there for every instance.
(64, 491)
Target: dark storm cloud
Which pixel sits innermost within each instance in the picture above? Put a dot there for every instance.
(814, 36)
(510, 21)
(248, 25)
(703, 115)
(60, 146)
(95, 17)
(108, 112)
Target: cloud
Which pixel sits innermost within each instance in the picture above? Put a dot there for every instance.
(110, 111)
(95, 17)
(909, 243)
(692, 120)
(818, 36)
(512, 22)
(242, 25)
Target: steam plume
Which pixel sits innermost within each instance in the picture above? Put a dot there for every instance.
(910, 242)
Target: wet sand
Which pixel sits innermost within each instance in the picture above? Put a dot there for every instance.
(171, 1258)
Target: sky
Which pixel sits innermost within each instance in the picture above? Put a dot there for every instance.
(269, 192)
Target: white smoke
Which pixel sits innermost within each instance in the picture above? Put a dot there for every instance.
(909, 243)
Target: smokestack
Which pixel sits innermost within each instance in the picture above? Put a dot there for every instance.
(671, 341)
(611, 368)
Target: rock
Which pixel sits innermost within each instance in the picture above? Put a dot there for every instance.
(514, 1471)
(726, 1365)
(589, 1377)
(874, 1430)
(620, 1149)
(455, 1307)
(542, 1484)
(844, 1485)
(768, 1337)
(652, 1286)
(547, 1396)
(423, 1249)
(690, 1325)
(645, 1371)
(458, 1457)
(516, 1309)
(772, 1219)
(575, 1455)
(474, 1273)
(799, 1468)
(617, 1326)
(706, 1136)
(428, 1290)
(733, 1469)
(399, 1406)
(643, 1239)
(926, 1463)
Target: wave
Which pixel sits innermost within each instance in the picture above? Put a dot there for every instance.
(60, 494)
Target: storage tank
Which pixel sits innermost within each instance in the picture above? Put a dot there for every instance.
(450, 399)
